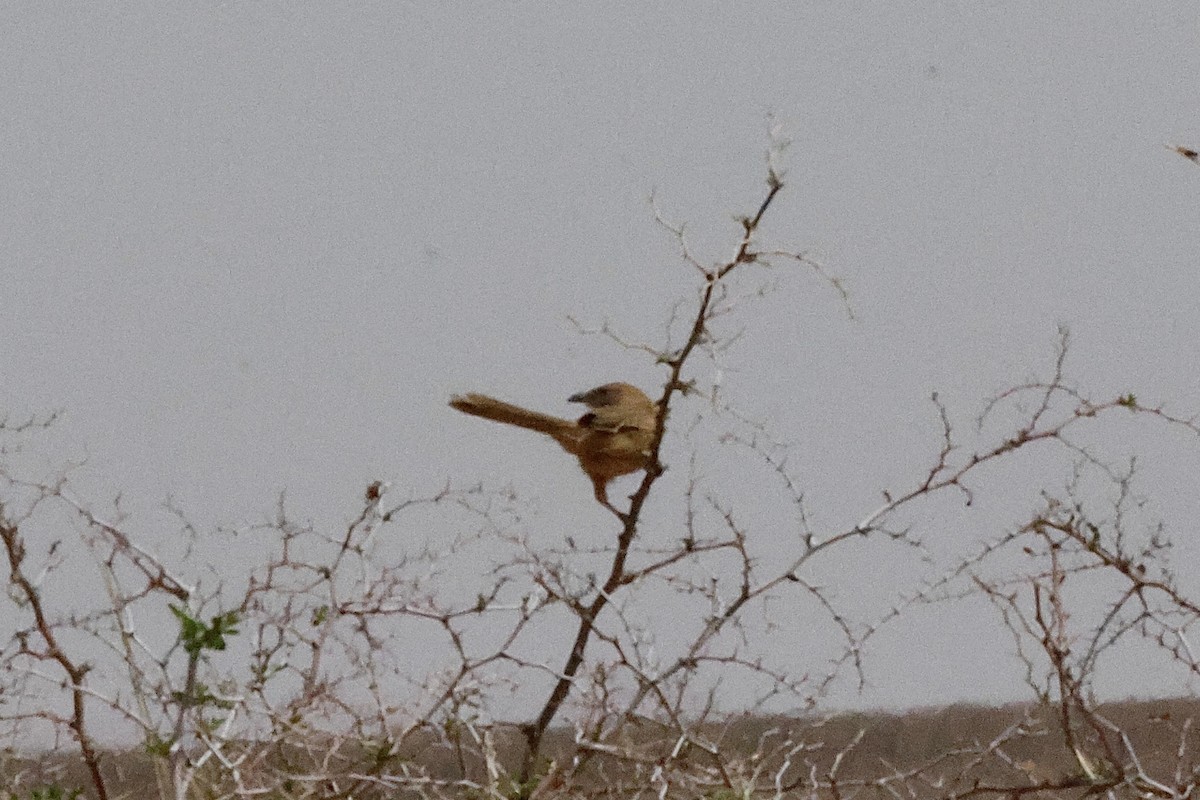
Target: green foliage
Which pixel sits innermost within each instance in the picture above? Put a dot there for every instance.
(199, 696)
(48, 793)
(197, 637)
(157, 746)
(728, 794)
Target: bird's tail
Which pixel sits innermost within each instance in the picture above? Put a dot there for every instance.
(480, 405)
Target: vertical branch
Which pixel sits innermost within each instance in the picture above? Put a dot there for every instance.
(617, 575)
(14, 549)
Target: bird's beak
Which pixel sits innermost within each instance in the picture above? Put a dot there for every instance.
(576, 398)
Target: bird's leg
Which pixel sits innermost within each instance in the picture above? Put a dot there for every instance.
(601, 488)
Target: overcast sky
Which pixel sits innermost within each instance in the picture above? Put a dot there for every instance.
(255, 246)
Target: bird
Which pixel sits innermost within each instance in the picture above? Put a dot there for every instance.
(613, 438)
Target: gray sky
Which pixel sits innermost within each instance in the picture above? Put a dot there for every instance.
(253, 246)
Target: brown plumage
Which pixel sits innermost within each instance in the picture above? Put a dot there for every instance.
(611, 440)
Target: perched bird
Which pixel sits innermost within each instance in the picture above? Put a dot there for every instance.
(610, 440)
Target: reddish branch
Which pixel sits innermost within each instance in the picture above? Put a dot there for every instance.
(14, 548)
(617, 575)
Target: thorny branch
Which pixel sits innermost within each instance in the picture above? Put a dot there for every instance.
(381, 657)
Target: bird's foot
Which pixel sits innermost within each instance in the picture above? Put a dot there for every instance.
(618, 513)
